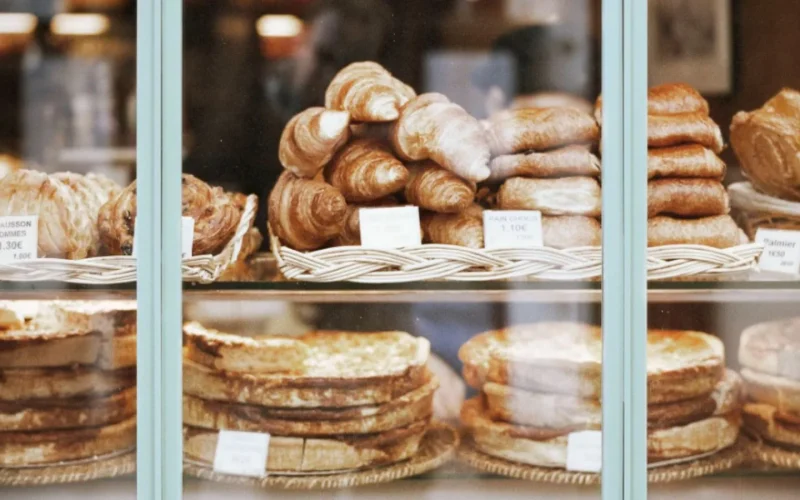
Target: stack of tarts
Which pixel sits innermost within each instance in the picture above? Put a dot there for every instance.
(68, 382)
(332, 402)
(541, 382)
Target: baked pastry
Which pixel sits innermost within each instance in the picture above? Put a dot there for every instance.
(366, 170)
(565, 358)
(688, 160)
(780, 392)
(719, 231)
(21, 384)
(571, 231)
(39, 415)
(551, 100)
(566, 196)
(46, 447)
(66, 227)
(93, 191)
(668, 99)
(686, 128)
(772, 348)
(310, 140)
(687, 197)
(305, 214)
(540, 129)
(566, 161)
(433, 128)
(351, 232)
(463, 229)
(368, 92)
(767, 143)
(215, 216)
(296, 454)
(411, 407)
(765, 421)
(434, 188)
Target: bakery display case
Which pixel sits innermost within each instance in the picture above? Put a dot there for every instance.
(377, 249)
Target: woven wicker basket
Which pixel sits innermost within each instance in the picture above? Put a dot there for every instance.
(756, 210)
(454, 263)
(122, 269)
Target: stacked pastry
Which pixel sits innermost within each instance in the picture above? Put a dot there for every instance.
(768, 353)
(376, 143)
(541, 382)
(67, 205)
(331, 401)
(68, 376)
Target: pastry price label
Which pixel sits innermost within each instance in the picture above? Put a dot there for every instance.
(512, 228)
(242, 453)
(19, 238)
(781, 251)
(585, 451)
(390, 227)
(187, 236)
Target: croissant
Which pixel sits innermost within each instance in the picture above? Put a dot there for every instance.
(463, 229)
(672, 130)
(365, 170)
(567, 196)
(351, 232)
(689, 160)
(432, 127)
(368, 92)
(767, 143)
(65, 225)
(719, 231)
(540, 129)
(215, 216)
(433, 188)
(92, 191)
(687, 197)
(568, 161)
(310, 140)
(667, 99)
(570, 231)
(305, 213)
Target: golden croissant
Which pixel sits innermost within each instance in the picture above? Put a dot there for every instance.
(305, 214)
(310, 140)
(566, 196)
(433, 188)
(214, 211)
(667, 99)
(92, 191)
(567, 161)
(366, 170)
(540, 129)
(463, 229)
(433, 128)
(688, 160)
(65, 224)
(368, 92)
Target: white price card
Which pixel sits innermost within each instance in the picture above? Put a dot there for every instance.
(242, 453)
(585, 451)
(187, 236)
(19, 238)
(781, 251)
(390, 227)
(512, 228)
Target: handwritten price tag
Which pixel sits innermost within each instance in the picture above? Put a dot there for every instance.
(19, 238)
(781, 251)
(242, 453)
(585, 451)
(512, 228)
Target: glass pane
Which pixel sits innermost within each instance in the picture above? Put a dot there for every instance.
(463, 126)
(721, 169)
(67, 338)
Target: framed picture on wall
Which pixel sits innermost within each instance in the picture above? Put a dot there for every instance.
(691, 41)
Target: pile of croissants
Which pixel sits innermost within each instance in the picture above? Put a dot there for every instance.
(90, 215)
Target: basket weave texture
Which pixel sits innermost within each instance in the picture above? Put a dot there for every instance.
(122, 269)
(756, 210)
(455, 263)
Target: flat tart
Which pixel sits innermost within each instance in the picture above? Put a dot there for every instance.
(19, 384)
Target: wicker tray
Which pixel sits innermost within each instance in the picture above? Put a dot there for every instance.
(454, 263)
(755, 210)
(777, 456)
(114, 465)
(718, 462)
(437, 447)
(122, 269)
